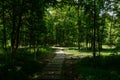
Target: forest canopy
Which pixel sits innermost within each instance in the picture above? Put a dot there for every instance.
(59, 22)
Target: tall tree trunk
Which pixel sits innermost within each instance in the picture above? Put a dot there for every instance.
(13, 31)
(18, 31)
(15, 34)
(98, 39)
(86, 39)
(78, 27)
(4, 28)
(111, 32)
(102, 32)
(4, 32)
(94, 31)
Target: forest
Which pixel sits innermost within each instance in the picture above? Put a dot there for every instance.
(89, 28)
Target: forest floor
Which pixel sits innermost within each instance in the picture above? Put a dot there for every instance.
(61, 63)
(53, 70)
(68, 66)
(61, 67)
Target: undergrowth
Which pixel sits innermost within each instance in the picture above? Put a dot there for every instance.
(99, 68)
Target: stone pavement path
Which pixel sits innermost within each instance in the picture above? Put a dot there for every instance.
(69, 69)
(53, 71)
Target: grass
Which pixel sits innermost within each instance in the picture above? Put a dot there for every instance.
(86, 73)
(76, 52)
(103, 68)
(106, 51)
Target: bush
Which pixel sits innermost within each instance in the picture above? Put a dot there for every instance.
(20, 70)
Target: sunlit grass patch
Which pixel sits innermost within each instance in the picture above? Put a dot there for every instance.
(108, 47)
(77, 53)
(87, 52)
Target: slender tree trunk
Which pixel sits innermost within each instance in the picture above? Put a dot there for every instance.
(102, 35)
(18, 31)
(4, 28)
(31, 31)
(87, 39)
(98, 39)
(94, 31)
(4, 33)
(78, 28)
(92, 40)
(13, 32)
(111, 33)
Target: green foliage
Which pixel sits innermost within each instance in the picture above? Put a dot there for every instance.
(42, 52)
(21, 70)
(57, 21)
(37, 23)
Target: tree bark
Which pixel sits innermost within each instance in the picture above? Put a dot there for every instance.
(4, 28)
(78, 27)
(15, 34)
(13, 30)
(94, 30)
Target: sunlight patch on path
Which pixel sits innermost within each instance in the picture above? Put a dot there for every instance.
(53, 71)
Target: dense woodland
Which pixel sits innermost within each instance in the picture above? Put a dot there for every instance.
(30, 27)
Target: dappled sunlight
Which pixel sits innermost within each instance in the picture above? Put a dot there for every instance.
(76, 53)
(59, 52)
(73, 51)
(53, 70)
(108, 47)
(59, 39)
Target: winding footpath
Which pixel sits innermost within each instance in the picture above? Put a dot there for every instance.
(53, 71)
